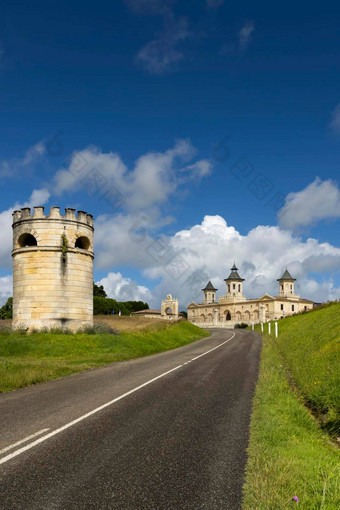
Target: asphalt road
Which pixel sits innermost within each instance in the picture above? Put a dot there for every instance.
(167, 432)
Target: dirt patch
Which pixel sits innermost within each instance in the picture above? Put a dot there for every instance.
(124, 323)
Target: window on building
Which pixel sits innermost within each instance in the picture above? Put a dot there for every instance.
(239, 288)
(27, 240)
(281, 307)
(83, 243)
(234, 286)
(292, 308)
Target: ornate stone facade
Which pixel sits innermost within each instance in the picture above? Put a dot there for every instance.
(52, 269)
(169, 308)
(234, 308)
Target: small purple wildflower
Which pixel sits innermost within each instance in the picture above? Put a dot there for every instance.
(295, 498)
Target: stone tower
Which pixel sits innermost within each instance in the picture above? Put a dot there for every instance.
(286, 283)
(234, 285)
(209, 293)
(52, 269)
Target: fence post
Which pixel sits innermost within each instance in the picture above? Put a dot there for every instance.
(269, 328)
(261, 327)
(276, 329)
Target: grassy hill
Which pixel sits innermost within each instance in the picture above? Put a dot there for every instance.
(290, 453)
(27, 359)
(310, 345)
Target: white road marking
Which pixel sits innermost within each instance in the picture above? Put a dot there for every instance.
(100, 408)
(207, 352)
(10, 447)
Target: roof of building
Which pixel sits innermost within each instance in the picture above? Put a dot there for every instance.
(209, 286)
(286, 276)
(234, 274)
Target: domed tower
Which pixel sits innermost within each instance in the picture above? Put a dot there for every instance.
(52, 269)
(234, 284)
(209, 293)
(286, 283)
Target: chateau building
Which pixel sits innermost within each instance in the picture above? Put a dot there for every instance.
(234, 308)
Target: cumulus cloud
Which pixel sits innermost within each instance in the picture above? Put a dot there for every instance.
(38, 197)
(6, 288)
(155, 176)
(335, 122)
(184, 262)
(245, 35)
(318, 201)
(11, 167)
(124, 289)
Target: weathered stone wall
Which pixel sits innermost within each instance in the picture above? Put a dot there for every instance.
(52, 285)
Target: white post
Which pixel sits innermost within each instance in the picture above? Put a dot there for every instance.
(276, 329)
(252, 326)
(269, 328)
(261, 327)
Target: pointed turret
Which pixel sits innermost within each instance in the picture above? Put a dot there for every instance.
(286, 283)
(234, 284)
(209, 293)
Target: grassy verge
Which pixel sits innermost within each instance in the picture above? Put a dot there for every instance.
(38, 357)
(289, 454)
(310, 345)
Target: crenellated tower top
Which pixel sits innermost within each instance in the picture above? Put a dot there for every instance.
(24, 214)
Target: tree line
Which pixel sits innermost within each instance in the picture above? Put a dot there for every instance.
(102, 305)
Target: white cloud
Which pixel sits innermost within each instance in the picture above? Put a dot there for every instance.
(318, 201)
(335, 122)
(163, 53)
(155, 176)
(12, 166)
(6, 288)
(38, 197)
(208, 250)
(214, 4)
(124, 289)
(245, 35)
(121, 240)
(83, 163)
(160, 55)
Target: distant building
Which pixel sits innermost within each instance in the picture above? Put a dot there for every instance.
(152, 314)
(234, 308)
(169, 310)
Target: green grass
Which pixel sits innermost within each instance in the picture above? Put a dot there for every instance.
(289, 454)
(38, 357)
(310, 346)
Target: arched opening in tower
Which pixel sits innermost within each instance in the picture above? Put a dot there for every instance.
(26, 240)
(83, 243)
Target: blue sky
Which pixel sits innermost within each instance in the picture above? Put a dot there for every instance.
(191, 110)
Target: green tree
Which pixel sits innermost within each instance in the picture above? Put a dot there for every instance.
(136, 306)
(6, 311)
(99, 291)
